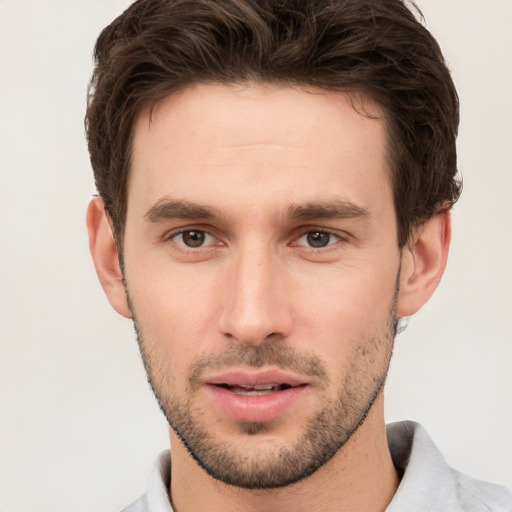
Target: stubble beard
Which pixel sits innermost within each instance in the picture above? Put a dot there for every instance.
(325, 433)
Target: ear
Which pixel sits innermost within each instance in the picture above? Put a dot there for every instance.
(105, 256)
(423, 263)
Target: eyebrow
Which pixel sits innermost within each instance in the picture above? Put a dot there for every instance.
(335, 210)
(167, 209)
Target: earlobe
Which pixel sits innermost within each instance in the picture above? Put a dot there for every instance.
(423, 263)
(105, 256)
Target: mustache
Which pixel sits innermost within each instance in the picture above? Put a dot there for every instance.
(268, 353)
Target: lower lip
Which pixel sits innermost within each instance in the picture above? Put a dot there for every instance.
(258, 408)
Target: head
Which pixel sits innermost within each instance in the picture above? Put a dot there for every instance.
(276, 176)
(369, 47)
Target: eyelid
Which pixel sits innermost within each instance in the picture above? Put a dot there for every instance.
(208, 239)
(303, 231)
(172, 234)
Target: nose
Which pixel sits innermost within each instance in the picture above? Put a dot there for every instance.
(256, 301)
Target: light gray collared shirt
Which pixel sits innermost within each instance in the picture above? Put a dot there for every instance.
(428, 484)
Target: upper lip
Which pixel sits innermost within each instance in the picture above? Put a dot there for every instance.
(250, 378)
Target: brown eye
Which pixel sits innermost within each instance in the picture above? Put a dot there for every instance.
(318, 239)
(193, 238)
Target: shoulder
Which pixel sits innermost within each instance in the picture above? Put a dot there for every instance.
(156, 497)
(429, 484)
(479, 495)
(141, 505)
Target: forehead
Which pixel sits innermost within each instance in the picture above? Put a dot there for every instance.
(276, 141)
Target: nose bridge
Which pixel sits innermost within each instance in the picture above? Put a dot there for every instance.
(254, 306)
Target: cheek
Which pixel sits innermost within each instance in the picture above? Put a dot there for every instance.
(340, 309)
(174, 308)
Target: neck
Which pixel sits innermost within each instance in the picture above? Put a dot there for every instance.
(360, 477)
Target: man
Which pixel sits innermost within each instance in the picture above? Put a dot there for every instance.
(275, 179)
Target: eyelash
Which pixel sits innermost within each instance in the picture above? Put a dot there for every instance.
(303, 233)
(323, 232)
(170, 237)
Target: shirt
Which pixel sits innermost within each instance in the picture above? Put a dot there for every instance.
(428, 484)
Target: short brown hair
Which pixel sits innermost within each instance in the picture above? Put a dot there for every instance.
(377, 47)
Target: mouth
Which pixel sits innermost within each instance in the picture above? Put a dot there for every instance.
(257, 390)
(261, 395)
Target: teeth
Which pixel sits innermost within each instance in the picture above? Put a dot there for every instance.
(246, 392)
(261, 389)
(256, 390)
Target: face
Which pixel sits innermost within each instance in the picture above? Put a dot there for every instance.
(261, 265)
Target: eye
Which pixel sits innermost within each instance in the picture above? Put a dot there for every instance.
(318, 239)
(193, 238)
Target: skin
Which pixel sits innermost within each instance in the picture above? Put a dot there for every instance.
(251, 155)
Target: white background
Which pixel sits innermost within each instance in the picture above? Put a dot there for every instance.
(79, 427)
